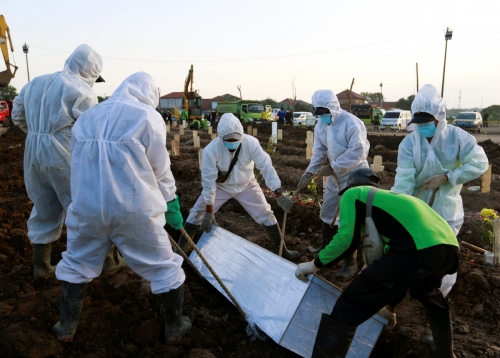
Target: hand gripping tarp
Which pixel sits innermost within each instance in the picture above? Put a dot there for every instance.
(264, 284)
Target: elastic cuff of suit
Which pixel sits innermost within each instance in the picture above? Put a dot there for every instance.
(318, 263)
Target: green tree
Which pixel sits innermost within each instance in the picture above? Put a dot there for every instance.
(405, 104)
(493, 111)
(270, 101)
(303, 107)
(8, 92)
(373, 97)
(100, 99)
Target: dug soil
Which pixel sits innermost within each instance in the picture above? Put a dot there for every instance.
(122, 318)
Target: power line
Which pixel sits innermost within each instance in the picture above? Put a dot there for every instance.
(254, 58)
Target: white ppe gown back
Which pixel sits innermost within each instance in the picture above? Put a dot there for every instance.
(121, 181)
(46, 109)
(343, 142)
(452, 151)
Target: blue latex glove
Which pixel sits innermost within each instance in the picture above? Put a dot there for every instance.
(173, 215)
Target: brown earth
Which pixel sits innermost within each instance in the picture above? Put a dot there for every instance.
(121, 318)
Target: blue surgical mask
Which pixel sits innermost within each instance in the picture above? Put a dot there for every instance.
(326, 118)
(231, 145)
(427, 129)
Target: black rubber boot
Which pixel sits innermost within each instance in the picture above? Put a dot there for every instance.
(112, 264)
(349, 269)
(274, 234)
(71, 307)
(191, 230)
(333, 339)
(41, 261)
(327, 236)
(441, 341)
(175, 323)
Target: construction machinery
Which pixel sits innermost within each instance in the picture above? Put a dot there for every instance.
(8, 74)
(191, 100)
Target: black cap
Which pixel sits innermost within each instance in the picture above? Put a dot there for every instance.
(100, 79)
(321, 110)
(362, 176)
(421, 117)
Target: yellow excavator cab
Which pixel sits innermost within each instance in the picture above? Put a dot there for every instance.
(7, 75)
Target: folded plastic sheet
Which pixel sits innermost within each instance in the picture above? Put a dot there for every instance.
(264, 284)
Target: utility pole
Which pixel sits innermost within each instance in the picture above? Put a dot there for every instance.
(459, 98)
(447, 36)
(239, 89)
(381, 95)
(294, 93)
(350, 91)
(25, 50)
(417, 79)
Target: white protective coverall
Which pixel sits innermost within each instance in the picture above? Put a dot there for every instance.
(452, 151)
(345, 145)
(241, 184)
(120, 183)
(46, 109)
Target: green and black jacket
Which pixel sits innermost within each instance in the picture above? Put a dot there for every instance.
(403, 222)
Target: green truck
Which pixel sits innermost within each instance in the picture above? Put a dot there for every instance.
(367, 113)
(246, 111)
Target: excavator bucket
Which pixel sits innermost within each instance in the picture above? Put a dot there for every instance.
(5, 77)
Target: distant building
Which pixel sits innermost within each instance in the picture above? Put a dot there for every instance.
(171, 100)
(356, 98)
(298, 105)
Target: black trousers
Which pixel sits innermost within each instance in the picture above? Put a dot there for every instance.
(389, 278)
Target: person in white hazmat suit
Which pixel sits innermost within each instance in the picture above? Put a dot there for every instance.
(222, 182)
(121, 187)
(339, 137)
(438, 158)
(46, 109)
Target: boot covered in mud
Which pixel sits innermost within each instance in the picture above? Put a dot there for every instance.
(441, 341)
(175, 323)
(191, 230)
(333, 338)
(274, 234)
(41, 261)
(349, 269)
(112, 264)
(71, 307)
(327, 235)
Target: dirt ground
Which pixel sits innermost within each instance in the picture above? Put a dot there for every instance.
(121, 318)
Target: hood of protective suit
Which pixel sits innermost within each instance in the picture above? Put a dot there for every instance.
(429, 100)
(327, 99)
(139, 87)
(84, 62)
(229, 123)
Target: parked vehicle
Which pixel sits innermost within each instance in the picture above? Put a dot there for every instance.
(246, 111)
(5, 110)
(367, 113)
(395, 119)
(469, 121)
(311, 121)
(300, 118)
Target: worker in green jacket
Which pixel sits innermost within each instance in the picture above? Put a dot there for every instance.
(195, 125)
(184, 115)
(419, 249)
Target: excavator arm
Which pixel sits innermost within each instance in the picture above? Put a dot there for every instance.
(7, 75)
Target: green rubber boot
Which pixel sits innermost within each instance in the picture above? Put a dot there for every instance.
(41, 261)
(176, 325)
(327, 235)
(72, 298)
(274, 233)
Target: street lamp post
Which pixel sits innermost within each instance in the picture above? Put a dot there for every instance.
(25, 50)
(447, 36)
(381, 95)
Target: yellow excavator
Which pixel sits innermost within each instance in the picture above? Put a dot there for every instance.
(191, 100)
(7, 75)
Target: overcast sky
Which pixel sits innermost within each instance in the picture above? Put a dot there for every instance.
(262, 45)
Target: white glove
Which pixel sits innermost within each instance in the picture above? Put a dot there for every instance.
(305, 269)
(284, 202)
(435, 181)
(305, 180)
(325, 171)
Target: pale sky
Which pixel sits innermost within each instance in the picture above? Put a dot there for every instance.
(262, 45)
